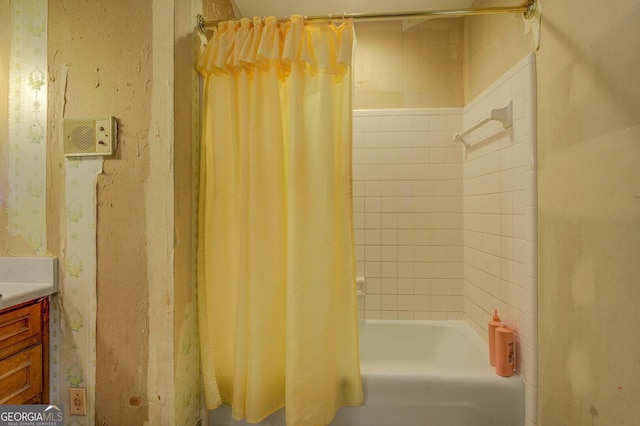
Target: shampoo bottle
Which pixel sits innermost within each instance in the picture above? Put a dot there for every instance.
(493, 324)
(505, 351)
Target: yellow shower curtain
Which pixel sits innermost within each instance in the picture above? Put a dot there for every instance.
(276, 275)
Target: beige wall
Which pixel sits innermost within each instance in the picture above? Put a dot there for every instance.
(492, 45)
(5, 38)
(589, 177)
(420, 67)
(589, 215)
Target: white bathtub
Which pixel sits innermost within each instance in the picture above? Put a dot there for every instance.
(422, 373)
(431, 373)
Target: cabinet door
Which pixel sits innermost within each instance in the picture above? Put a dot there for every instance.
(20, 324)
(21, 377)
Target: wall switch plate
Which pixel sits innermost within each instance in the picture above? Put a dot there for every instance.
(78, 401)
(104, 136)
(89, 136)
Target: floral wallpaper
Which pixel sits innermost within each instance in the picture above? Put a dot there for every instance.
(27, 123)
(26, 147)
(78, 297)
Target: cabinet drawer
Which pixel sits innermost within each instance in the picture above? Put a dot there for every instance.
(21, 376)
(20, 324)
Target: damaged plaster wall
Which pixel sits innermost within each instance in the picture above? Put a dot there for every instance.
(105, 47)
(120, 61)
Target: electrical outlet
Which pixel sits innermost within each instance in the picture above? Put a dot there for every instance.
(78, 401)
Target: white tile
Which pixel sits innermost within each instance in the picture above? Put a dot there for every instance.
(372, 285)
(370, 124)
(439, 303)
(372, 188)
(358, 172)
(422, 122)
(455, 303)
(405, 303)
(389, 270)
(406, 315)
(439, 123)
(372, 269)
(372, 204)
(389, 220)
(372, 254)
(406, 253)
(358, 204)
(372, 237)
(438, 316)
(359, 124)
(389, 302)
(422, 286)
(387, 123)
(407, 222)
(371, 140)
(372, 315)
(372, 302)
(421, 155)
(418, 204)
(406, 286)
(440, 139)
(389, 286)
(454, 122)
(405, 237)
(421, 303)
(358, 220)
(389, 237)
(421, 139)
(358, 141)
(389, 253)
(389, 314)
(404, 139)
(405, 270)
(372, 220)
(371, 172)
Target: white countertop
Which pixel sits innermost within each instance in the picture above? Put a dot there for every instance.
(26, 278)
(16, 293)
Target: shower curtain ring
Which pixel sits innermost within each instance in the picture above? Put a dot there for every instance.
(201, 25)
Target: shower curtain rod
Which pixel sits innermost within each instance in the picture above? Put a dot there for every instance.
(527, 9)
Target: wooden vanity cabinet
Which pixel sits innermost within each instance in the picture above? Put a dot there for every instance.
(24, 353)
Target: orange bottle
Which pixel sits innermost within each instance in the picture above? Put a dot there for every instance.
(493, 324)
(505, 351)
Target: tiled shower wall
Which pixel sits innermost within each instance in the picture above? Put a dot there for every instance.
(500, 215)
(448, 232)
(408, 211)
